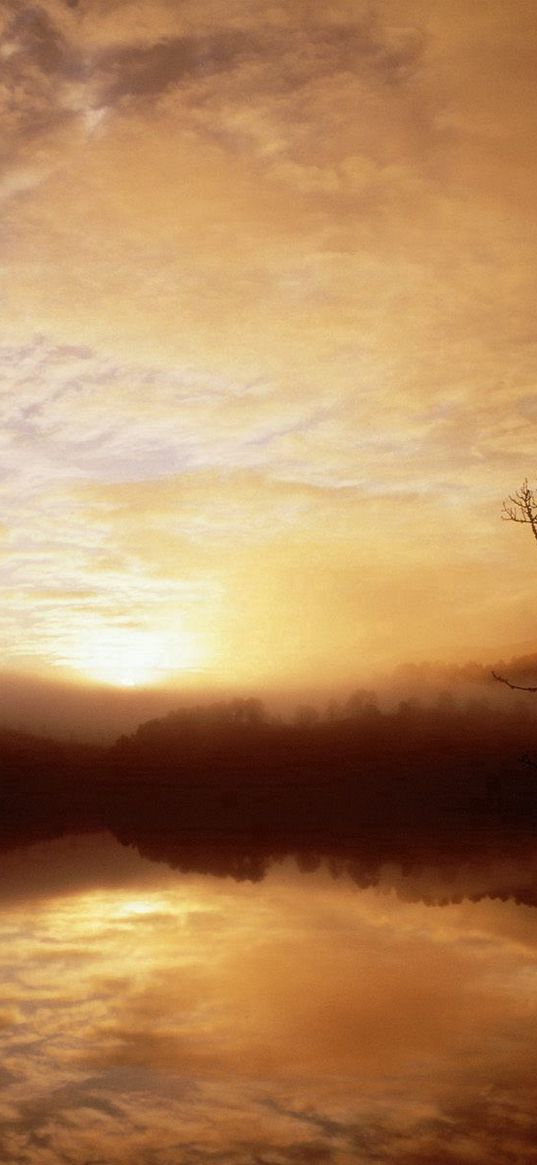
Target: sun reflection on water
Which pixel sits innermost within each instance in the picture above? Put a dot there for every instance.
(283, 1016)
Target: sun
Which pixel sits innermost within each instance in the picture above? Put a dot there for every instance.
(131, 658)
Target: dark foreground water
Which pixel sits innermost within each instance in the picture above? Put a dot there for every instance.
(149, 1017)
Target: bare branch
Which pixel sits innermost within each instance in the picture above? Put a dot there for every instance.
(515, 687)
(522, 507)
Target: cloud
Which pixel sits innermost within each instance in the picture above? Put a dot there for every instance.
(286, 245)
(146, 71)
(136, 486)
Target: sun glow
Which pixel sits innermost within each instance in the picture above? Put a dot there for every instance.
(142, 906)
(129, 658)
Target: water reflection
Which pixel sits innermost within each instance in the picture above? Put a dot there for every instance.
(158, 1018)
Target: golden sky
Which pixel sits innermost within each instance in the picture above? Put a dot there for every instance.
(268, 342)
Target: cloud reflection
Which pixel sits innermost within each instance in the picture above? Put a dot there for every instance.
(300, 1020)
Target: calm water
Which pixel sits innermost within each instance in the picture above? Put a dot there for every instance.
(155, 1018)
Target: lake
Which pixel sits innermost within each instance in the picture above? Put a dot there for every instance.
(161, 1017)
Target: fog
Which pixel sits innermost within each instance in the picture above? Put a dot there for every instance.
(93, 712)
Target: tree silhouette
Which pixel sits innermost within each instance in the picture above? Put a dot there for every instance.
(521, 506)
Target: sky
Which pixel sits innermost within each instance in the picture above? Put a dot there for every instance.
(267, 338)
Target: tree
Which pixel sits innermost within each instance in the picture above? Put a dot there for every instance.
(359, 701)
(520, 507)
(306, 716)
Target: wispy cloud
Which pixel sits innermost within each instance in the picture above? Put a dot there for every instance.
(290, 245)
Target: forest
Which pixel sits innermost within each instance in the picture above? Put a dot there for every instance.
(228, 789)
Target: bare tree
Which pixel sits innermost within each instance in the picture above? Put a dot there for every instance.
(520, 507)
